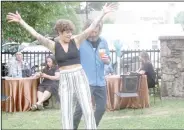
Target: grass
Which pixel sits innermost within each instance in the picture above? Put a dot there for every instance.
(166, 115)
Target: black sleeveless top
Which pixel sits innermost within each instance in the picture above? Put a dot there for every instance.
(70, 58)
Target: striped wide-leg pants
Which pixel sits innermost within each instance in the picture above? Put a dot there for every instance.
(74, 82)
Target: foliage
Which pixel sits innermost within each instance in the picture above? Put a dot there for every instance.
(108, 21)
(91, 6)
(179, 18)
(98, 5)
(40, 15)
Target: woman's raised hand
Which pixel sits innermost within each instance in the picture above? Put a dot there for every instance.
(14, 17)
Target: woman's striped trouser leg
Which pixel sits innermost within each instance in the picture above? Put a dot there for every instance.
(75, 82)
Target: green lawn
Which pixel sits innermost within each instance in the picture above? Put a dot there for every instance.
(168, 114)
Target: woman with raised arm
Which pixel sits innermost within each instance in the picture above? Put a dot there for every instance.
(72, 77)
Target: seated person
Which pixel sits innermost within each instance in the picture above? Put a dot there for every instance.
(147, 69)
(17, 67)
(50, 83)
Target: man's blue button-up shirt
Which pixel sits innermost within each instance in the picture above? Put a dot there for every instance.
(91, 62)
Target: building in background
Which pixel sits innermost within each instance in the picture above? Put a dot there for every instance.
(139, 24)
(144, 36)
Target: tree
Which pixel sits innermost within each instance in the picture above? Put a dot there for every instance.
(40, 15)
(180, 18)
(93, 6)
(108, 21)
(88, 7)
(98, 5)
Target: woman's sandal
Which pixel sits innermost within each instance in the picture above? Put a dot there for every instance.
(34, 107)
(40, 107)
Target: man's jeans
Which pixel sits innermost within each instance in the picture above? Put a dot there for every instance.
(100, 97)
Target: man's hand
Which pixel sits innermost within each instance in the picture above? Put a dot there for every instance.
(105, 59)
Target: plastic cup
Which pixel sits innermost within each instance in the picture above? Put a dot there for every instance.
(101, 52)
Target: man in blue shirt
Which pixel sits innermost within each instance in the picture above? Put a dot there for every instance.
(94, 54)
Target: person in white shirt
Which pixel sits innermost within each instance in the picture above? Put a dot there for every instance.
(17, 67)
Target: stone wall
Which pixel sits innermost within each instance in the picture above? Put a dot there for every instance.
(172, 66)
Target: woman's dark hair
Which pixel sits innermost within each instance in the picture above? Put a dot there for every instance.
(54, 62)
(145, 56)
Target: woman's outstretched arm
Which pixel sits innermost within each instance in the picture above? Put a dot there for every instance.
(15, 17)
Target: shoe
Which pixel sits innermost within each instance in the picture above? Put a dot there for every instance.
(46, 103)
(40, 107)
(34, 107)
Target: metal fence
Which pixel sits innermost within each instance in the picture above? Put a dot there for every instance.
(128, 61)
(35, 60)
